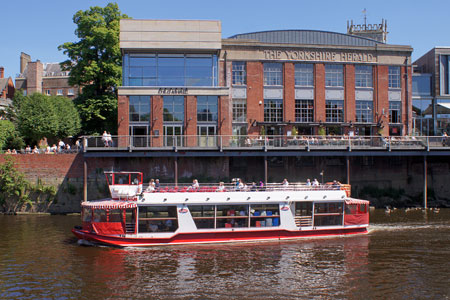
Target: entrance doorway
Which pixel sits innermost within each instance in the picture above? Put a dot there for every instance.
(173, 135)
(139, 136)
(207, 136)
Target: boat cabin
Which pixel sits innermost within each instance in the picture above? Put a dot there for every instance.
(124, 185)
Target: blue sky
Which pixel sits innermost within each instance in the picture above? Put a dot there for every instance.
(38, 27)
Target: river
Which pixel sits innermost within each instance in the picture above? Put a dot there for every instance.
(404, 256)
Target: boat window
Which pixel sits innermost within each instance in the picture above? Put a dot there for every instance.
(87, 214)
(99, 215)
(232, 216)
(158, 219)
(264, 215)
(328, 214)
(121, 179)
(303, 208)
(115, 215)
(362, 208)
(135, 178)
(350, 209)
(203, 215)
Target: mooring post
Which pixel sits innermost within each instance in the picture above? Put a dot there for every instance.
(175, 163)
(347, 160)
(265, 170)
(85, 172)
(425, 175)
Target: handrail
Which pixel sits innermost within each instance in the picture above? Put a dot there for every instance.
(264, 143)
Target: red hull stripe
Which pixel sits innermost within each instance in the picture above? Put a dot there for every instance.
(215, 237)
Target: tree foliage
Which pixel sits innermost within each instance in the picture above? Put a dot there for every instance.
(40, 116)
(9, 136)
(95, 63)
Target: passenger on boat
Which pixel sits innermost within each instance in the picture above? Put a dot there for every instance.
(254, 187)
(194, 185)
(157, 185)
(240, 184)
(151, 186)
(315, 182)
(336, 184)
(285, 182)
(308, 182)
(221, 187)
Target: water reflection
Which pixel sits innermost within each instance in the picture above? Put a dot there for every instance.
(404, 256)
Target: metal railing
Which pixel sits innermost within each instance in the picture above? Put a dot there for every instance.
(265, 143)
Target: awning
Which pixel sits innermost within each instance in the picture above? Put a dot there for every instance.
(350, 201)
(109, 204)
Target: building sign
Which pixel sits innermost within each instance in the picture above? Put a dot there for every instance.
(332, 56)
(172, 91)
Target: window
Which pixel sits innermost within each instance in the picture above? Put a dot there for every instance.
(70, 92)
(239, 110)
(304, 110)
(203, 215)
(47, 92)
(173, 108)
(334, 110)
(239, 130)
(334, 75)
(273, 110)
(239, 73)
(273, 74)
(99, 215)
(394, 77)
(363, 76)
(304, 75)
(394, 112)
(328, 214)
(207, 108)
(364, 112)
(421, 85)
(158, 219)
(170, 70)
(59, 92)
(264, 215)
(232, 216)
(139, 108)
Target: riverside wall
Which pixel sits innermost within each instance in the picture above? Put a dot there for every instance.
(370, 177)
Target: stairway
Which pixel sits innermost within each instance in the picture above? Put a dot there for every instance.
(303, 221)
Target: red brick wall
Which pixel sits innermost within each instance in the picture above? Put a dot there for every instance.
(349, 93)
(406, 100)
(255, 93)
(382, 97)
(156, 120)
(191, 120)
(319, 93)
(289, 94)
(225, 115)
(123, 119)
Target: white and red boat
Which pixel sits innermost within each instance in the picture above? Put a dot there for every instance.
(207, 214)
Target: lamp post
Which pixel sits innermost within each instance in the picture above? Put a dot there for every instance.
(321, 174)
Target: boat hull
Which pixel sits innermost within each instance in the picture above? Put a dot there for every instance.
(215, 237)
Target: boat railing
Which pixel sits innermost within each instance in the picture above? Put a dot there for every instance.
(270, 187)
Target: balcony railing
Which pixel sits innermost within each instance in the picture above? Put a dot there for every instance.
(266, 143)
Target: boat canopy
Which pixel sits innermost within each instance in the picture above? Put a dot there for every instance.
(350, 201)
(109, 204)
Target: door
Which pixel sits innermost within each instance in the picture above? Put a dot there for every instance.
(207, 135)
(275, 135)
(139, 136)
(173, 135)
(303, 214)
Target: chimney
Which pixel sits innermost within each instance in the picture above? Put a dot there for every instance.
(24, 60)
(2, 72)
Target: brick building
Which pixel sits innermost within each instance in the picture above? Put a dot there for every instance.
(6, 91)
(45, 78)
(180, 78)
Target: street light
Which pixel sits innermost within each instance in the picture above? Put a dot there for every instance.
(321, 174)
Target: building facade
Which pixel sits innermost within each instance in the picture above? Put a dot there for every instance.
(6, 92)
(431, 92)
(180, 78)
(44, 78)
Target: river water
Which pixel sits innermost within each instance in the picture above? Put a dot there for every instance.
(406, 255)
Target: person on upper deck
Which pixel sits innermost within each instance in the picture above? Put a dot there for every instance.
(195, 184)
(308, 182)
(285, 182)
(254, 187)
(151, 186)
(157, 185)
(315, 182)
(221, 187)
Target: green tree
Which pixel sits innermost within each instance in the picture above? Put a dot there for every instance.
(95, 63)
(9, 137)
(13, 187)
(40, 116)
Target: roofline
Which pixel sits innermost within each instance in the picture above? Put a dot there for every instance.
(312, 30)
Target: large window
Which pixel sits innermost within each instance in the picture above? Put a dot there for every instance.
(364, 111)
(363, 76)
(304, 110)
(273, 110)
(394, 77)
(273, 74)
(334, 75)
(203, 215)
(328, 214)
(304, 75)
(334, 110)
(395, 112)
(173, 108)
(170, 70)
(158, 219)
(139, 108)
(239, 110)
(207, 108)
(239, 73)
